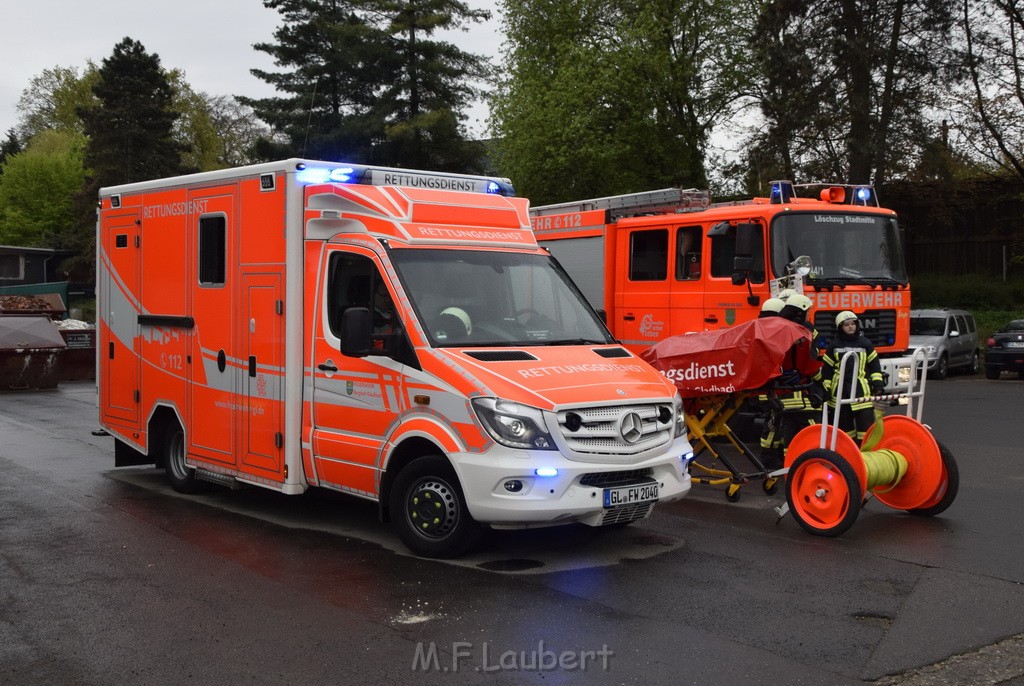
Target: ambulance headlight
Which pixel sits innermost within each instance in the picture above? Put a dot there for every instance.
(680, 428)
(513, 425)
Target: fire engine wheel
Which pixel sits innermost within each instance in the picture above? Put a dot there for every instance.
(429, 509)
(947, 490)
(182, 477)
(823, 492)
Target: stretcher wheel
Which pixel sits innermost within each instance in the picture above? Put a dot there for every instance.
(823, 492)
(732, 494)
(925, 470)
(770, 485)
(947, 489)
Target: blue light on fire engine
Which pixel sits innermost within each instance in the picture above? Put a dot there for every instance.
(863, 194)
(546, 471)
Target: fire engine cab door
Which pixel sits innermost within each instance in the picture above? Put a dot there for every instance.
(725, 302)
(356, 400)
(119, 333)
(642, 290)
(262, 333)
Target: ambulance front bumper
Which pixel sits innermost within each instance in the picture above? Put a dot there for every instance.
(508, 488)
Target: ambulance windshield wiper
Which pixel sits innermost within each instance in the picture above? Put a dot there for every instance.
(574, 341)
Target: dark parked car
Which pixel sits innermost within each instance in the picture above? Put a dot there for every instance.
(1004, 350)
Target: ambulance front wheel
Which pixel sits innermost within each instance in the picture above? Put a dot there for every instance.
(429, 510)
(182, 477)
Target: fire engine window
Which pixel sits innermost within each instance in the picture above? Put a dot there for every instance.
(648, 255)
(688, 253)
(723, 257)
(212, 250)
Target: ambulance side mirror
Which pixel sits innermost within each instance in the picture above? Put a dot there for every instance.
(356, 332)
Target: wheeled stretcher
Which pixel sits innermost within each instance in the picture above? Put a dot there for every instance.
(828, 476)
(719, 373)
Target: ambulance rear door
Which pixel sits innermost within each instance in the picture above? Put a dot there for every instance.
(119, 330)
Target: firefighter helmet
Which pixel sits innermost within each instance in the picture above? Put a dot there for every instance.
(845, 316)
(771, 306)
(461, 315)
(800, 300)
(785, 294)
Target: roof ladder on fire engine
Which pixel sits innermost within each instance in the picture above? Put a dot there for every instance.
(666, 200)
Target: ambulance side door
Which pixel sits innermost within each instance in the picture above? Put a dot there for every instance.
(355, 400)
(642, 300)
(119, 322)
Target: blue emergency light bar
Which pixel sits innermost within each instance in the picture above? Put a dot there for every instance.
(410, 178)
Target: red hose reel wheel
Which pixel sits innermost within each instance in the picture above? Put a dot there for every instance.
(926, 477)
(809, 438)
(823, 492)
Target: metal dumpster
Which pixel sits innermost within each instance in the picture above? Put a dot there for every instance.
(30, 352)
(78, 363)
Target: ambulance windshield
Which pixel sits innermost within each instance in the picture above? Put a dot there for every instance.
(494, 298)
(844, 248)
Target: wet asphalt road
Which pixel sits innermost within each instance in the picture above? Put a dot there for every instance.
(108, 576)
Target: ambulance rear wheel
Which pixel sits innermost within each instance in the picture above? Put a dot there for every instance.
(429, 509)
(182, 477)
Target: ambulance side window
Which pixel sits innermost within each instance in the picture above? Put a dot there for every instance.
(212, 250)
(648, 255)
(355, 281)
(688, 251)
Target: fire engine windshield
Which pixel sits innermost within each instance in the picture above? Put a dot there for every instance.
(494, 298)
(844, 248)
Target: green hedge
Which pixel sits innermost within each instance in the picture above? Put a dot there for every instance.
(992, 301)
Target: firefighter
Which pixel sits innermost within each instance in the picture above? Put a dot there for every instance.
(801, 408)
(855, 419)
(771, 435)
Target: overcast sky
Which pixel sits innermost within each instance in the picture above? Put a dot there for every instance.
(210, 40)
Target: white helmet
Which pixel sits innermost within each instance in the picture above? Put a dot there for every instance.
(462, 315)
(799, 300)
(785, 294)
(773, 305)
(845, 316)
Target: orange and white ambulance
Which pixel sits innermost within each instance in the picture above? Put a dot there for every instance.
(392, 334)
(668, 262)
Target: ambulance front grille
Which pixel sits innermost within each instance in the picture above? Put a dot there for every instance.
(620, 430)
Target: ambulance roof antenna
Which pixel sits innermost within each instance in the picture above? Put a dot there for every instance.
(309, 117)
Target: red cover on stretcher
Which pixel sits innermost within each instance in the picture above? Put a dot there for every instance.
(739, 358)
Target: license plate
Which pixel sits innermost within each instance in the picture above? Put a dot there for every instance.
(628, 495)
(1015, 344)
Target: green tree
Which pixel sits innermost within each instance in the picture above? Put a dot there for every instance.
(53, 98)
(847, 89)
(435, 83)
(9, 147)
(131, 127)
(130, 134)
(37, 190)
(989, 110)
(334, 63)
(362, 82)
(606, 96)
